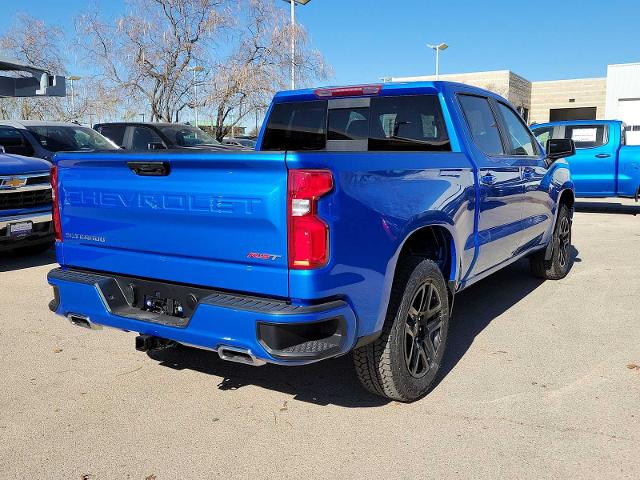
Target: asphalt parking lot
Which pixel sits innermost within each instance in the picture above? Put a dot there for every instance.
(541, 380)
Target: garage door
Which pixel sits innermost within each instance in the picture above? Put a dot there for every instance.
(629, 113)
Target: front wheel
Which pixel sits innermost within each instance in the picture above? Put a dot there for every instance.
(559, 264)
(404, 361)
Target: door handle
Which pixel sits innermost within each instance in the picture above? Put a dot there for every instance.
(488, 178)
(603, 155)
(150, 169)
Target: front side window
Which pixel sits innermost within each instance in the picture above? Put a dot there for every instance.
(520, 141)
(482, 124)
(63, 138)
(587, 136)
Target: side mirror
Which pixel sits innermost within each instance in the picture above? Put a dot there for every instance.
(156, 146)
(560, 148)
(2, 150)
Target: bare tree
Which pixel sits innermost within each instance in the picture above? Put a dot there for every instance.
(258, 65)
(148, 56)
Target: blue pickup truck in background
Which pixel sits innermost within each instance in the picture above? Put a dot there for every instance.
(25, 204)
(604, 165)
(362, 214)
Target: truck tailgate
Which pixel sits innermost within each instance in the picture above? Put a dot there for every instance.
(215, 219)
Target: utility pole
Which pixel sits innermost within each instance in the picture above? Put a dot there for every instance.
(293, 38)
(194, 69)
(71, 79)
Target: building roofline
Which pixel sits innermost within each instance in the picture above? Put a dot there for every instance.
(570, 80)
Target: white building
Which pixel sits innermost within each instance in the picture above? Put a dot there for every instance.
(623, 97)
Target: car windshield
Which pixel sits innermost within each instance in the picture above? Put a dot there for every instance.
(187, 135)
(68, 138)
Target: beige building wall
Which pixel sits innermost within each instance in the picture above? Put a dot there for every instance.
(497, 81)
(503, 82)
(585, 92)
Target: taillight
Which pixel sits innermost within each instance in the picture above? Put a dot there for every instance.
(308, 234)
(56, 208)
(353, 91)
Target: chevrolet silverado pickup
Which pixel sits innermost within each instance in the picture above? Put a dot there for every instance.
(365, 210)
(25, 204)
(603, 165)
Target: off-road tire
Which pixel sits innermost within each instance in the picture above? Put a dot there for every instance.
(383, 366)
(560, 263)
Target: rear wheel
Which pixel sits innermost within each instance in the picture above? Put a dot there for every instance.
(404, 361)
(559, 264)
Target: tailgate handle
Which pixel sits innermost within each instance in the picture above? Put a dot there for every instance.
(150, 169)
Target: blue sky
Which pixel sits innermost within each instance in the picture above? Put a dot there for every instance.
(364, 40)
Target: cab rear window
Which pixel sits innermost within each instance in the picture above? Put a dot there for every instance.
(389, 123)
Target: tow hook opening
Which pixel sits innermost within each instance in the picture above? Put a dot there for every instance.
(82, 321)
(144, 343)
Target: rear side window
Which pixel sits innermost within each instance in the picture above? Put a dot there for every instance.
(297, 126)
(482, 124)
(115, 133)
(587, 136)
(13, 141)
(407, 123)
(142, 137)
(520, 141)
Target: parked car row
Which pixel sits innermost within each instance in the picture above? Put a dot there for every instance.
(27, 148)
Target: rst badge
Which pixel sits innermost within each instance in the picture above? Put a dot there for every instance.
(263, 256)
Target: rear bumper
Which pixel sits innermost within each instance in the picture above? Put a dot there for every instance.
(271, 330)
(42, 230)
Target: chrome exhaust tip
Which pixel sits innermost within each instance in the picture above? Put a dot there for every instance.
(82, 321)
(239, 355)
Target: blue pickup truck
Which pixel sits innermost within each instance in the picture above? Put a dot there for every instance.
(362, 214)
(25, 204)
(603, 165)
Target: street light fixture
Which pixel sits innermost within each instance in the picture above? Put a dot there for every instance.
(293, 38)
(194, 69)
(71, 79)
(438, 48)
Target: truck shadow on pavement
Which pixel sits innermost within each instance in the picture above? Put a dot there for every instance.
(607, 207)
(11, 261)
(334, 381)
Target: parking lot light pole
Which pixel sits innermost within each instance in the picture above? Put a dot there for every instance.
(194, 69)
(293, 38)
(438, 48)
(71, 79)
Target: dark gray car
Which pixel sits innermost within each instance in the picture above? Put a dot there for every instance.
(42, 139)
